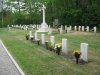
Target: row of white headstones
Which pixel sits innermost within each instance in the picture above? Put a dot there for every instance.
(77, 28)
(61, 30)
(26, 27)
(83, 46)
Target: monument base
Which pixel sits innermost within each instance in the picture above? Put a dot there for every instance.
(44, 28)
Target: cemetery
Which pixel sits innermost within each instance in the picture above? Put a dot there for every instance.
(44, 48)
(39, 53)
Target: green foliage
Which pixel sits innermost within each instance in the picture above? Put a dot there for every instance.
(70, 12)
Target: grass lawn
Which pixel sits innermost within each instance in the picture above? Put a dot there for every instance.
(36, 60)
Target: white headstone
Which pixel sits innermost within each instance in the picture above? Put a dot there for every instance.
(75, 28)
(61, 30)
(26, 27)
(95, 29)
(30, 35)
(65, 27)
(12, 25)
(70, 28)
(36, 26)
(64, 46)
(9, 27)
(50, 31)
(79, 28)
(43, 38)
(84, 51)
(52, 39)
(87, 28)
(83, 28)
(35, 36)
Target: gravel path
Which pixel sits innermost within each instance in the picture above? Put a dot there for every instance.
(7, 67)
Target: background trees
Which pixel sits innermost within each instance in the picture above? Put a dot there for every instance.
(70, 12)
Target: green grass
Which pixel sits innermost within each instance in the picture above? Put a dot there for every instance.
(36, 60)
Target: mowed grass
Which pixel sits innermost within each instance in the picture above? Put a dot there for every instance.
(36, 60)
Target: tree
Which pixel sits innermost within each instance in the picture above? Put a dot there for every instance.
(70, 12)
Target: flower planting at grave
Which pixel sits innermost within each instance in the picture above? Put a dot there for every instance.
(50, 46)
(77, 54)
(46, 44)
(77, 51)
(58, 48)
(27, 37)
(31, 38)
(38, 41)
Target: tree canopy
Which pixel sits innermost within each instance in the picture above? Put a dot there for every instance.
(68, 12)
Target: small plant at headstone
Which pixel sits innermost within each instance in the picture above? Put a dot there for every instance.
(27, 37)
(32, 38)
(46, 44)
(77, 54)
(38, 41)
(50, 46)
(58, 48)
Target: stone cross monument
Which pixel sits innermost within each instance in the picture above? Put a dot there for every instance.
(43, 8)
(44, 26)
